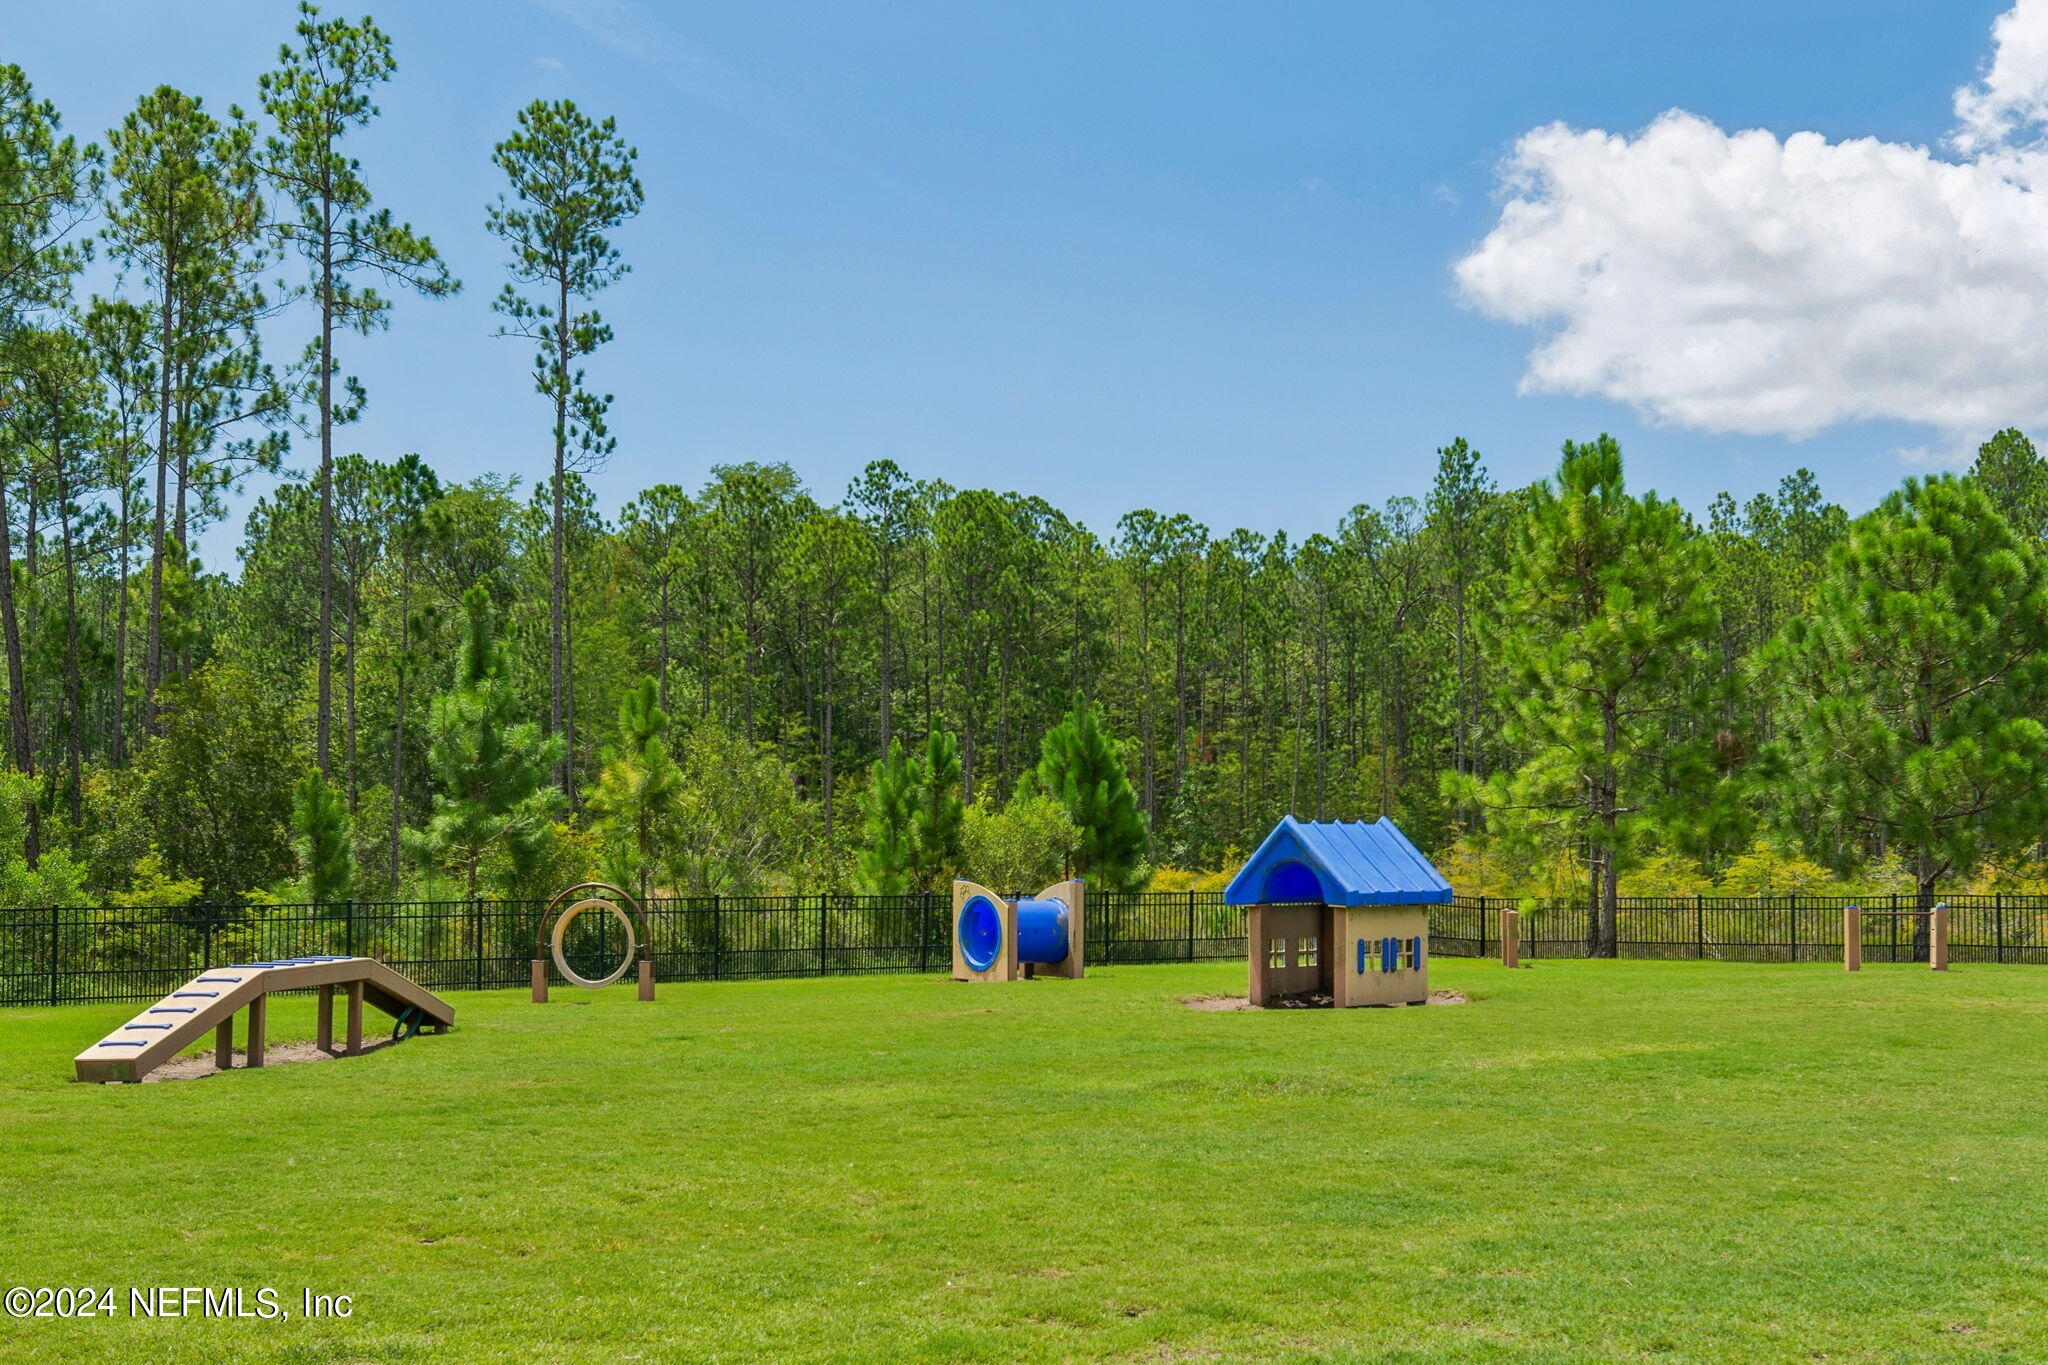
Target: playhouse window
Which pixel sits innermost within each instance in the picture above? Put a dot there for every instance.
(1307, 949)
(1276, 952)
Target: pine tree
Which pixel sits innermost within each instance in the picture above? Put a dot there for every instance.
(1081, 766)
(47, 187)
(888, 825)
(939, 812)
(1600, 632)
(491, 770)
(326, 840)
(639, 792)
(572, 180)
(2015, 477)
(1912, 688)
(319, 92)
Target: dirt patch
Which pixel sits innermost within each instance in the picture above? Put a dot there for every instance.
(284, 1054)
(1311, 1001)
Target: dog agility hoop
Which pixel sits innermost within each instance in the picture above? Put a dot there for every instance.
(639, 947)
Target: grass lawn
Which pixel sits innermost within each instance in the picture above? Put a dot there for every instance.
(1591, 1161)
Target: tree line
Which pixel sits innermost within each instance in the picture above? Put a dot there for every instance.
(1565, 686)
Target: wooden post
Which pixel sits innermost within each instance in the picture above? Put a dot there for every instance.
(540, 981)
(355, 1017)
(1852, 939)
(256, 1011)
(1255, 955)
(224, 1044)
(1510, 938)
(323, 1030)
(1937, 939)
(646, 978)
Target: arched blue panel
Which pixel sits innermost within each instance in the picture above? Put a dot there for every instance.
(1293, 881)
(981, 933)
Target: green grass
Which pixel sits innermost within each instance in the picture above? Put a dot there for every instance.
(1591, 1161)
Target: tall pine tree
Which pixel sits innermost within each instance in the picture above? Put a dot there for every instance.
(1912, 690)
(572, 182)
(1600, 631)
(939, 812)
(1083, 768)
(490, 769)
(325, 840)
(888, 852)
(319, 92)
(638, 794)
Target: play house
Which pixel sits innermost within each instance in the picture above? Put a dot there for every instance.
(1341, 909)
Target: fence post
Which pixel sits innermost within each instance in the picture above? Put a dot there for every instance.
(822, 912)
(1998, 926)
(54, 931)
(717, 935)
(1792, 914)
(1191, 927)
(924, 911)
(1482, 927)
(1699, 927)
(476, 926)
(348, 932)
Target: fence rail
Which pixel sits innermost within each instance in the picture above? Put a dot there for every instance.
(65, 955)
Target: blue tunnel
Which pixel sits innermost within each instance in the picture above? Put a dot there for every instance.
(1041, 932)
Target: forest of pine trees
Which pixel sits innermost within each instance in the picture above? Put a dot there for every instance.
(748, 683)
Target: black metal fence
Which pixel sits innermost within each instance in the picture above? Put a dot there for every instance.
(71, 954)
(1982, 928)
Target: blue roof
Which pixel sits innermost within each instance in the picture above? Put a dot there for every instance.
(1338, 863)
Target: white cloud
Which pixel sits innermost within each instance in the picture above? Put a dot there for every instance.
(1737, 282)
(2014, 91)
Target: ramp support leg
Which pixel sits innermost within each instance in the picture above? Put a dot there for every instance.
(355, 1018)
(256, 1011)
(324, 1028)
(224, 1044)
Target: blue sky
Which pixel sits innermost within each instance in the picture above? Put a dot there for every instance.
(1196, 256)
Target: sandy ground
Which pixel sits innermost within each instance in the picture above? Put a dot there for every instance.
(284, 1054)
(1238, 1002)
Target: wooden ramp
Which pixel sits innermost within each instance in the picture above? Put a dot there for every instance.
(209, 1002)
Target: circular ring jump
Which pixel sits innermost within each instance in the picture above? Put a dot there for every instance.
(616, 900)
(567, 918)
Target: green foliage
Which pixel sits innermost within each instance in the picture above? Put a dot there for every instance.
(2015, 477)
(888, 827)
(1083, 769)
(938, 813)
(1913, 690)
(153, 886)
(634, 805)
(490, 769)
(320, 91)
(1600, 632)
(215, 789)
(326, 840)
(739, 817)
(1020, 846)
